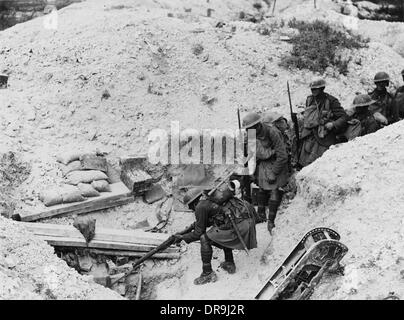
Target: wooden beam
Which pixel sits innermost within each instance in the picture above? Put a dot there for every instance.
(101, 234)
(119, 195)
(96, 244)
(123, 253)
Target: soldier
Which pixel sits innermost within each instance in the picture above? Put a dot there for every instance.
(399, 99)
(281, 123)
(362, 121)
(272, 172)
(324, 119)
(384, 100)
(213, 212)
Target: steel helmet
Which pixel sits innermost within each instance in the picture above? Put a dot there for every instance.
(250, 120)
(317, 83)
(381, 76)
(271, 116)
(363, 100)
(192, 195)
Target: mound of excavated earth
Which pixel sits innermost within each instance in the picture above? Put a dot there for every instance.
(357, 190)
(29, 269)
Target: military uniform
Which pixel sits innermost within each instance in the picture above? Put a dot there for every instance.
(279, 122)
(384, 104)
(315, 138)
(399, 102)
(221, 234)
(272, 170)
(367, 121)
(209, 214)
(272, 158)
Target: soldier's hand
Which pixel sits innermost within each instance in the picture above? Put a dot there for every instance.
(178, 238)
(329, 126)
(271, 178)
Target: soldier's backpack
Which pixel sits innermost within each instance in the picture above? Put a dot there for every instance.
(239, 209)
(312, 116)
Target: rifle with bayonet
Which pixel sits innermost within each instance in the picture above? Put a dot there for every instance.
(293, 116)
(171, 240)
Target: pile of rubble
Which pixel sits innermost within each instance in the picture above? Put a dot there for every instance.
(29, 269)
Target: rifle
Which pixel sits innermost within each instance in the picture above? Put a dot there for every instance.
(159, 248)
(238, 117)
(245, 181)
(293, 116)
(235, 227)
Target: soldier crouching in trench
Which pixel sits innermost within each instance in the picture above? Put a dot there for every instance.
(214, 212)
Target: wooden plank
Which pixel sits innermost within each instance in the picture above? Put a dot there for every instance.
(119, 195)
(81, 243)
(101, 234)
(123, 253)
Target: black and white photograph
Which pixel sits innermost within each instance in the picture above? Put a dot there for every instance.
(201, 155)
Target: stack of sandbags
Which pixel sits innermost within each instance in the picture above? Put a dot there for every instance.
(86, 176)
(61, 194)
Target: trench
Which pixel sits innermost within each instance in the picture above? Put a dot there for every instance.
(151, 274)
(388, 10)
(13, 12)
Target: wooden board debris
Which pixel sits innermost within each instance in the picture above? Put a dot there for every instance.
(108, 241)
(134, 254)
(102, 234)
(119, 195)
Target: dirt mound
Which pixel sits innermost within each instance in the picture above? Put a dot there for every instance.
(29, 269)
(354, 189)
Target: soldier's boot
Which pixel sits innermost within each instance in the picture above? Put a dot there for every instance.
(273, 210)
(271, 222)
(228, 265)
(207, 275)
(262, 199)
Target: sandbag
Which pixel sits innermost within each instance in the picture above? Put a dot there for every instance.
(89, 176)
(68, 157)
(86, 226)
(71, 194)
(380, 118)
(101, 186)
(87, 190)
(51, 197)
(72, 166)
(93, 162)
